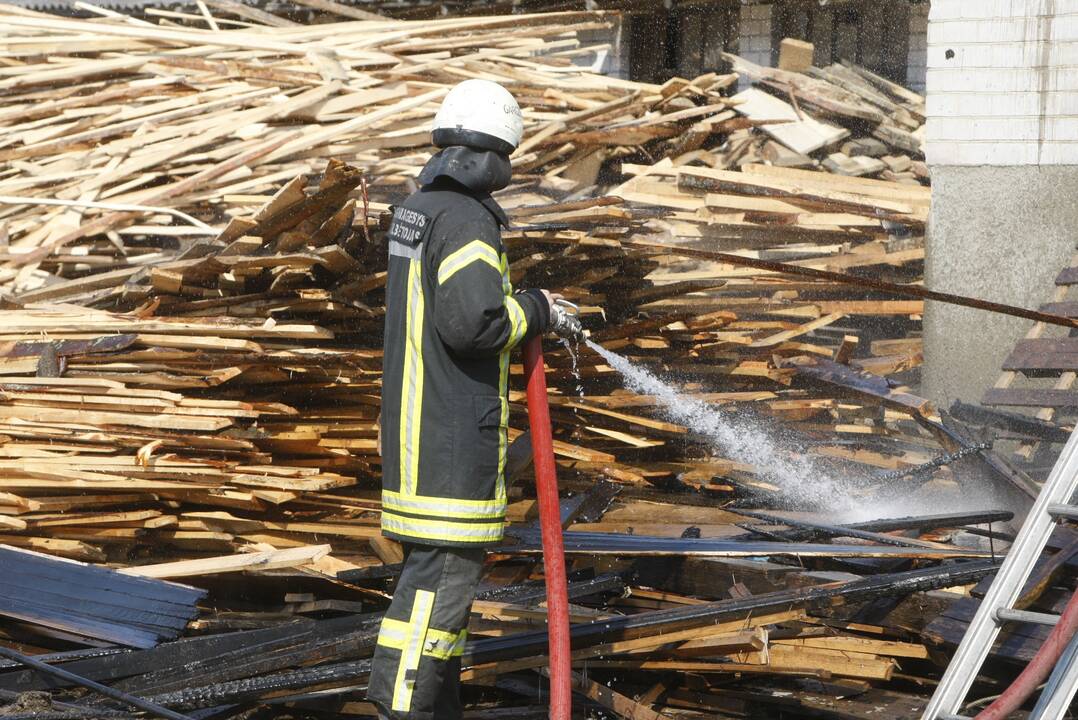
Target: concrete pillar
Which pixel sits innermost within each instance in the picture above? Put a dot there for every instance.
(1002, 118)
(997, 233)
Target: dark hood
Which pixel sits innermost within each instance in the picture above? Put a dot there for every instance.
(478, 170)
(481, 172)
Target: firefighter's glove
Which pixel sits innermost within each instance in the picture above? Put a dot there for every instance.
(565, 321)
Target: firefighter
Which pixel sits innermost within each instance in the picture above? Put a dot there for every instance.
(452, 319)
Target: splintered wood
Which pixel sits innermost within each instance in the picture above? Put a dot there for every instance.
(193, 272)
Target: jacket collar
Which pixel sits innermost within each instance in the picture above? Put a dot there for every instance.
(476, 172)
(495, 209)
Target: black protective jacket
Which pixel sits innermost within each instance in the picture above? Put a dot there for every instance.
(452, 319)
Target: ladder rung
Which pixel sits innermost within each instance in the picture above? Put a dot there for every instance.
(1037, 618)
(1068, 512)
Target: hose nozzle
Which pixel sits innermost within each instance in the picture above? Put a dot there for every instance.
(565, 320)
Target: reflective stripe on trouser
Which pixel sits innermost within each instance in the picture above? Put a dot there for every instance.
(415, 673)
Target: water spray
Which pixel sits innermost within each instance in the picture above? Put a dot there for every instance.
(797, 475)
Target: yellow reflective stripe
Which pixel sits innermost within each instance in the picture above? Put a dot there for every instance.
(443, 530)
(442, 645)
(503, 265)
(412, 395)
(475, 251)
(518, 323)
(503, 374)
(393, 634)
(395, 627)
(444, 507)
(503, 425)
(413, 650)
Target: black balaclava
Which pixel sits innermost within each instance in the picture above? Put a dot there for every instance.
(481, 171)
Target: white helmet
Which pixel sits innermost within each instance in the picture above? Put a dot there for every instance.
(481, 114)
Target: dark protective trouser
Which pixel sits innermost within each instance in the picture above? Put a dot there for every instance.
(415, 673)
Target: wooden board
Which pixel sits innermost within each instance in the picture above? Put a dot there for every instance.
(1031, 397)
(1044, 354)
(800, 133)
(1066, 309)
(1068, 276)
(92, 602)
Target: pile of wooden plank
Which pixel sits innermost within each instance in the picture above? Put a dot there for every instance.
(220, 421)
(161, 134)
(673, 655)
(853, 121)
(198, 395)
(245, 376)
(209, 124)
(191, 361)
(1033, 401)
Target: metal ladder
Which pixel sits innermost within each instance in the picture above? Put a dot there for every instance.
(1052, 504)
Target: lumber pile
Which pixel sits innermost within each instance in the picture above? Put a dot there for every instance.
(190, 364)
(164, 133)
(823, 106)
(245, 376)
(672, 653)
(182, 132)
(200, 397)
(184, 125)
(217, 427)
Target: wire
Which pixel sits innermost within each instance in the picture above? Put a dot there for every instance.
(992, 698)
(934, 463)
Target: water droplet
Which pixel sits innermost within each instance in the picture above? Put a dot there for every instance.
(798, 477)
(574, 348)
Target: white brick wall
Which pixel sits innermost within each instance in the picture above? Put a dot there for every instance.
(917, 60)
(1002, 80)
(754, 34)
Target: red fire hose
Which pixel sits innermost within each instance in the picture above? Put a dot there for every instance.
(546, 487)
(1037, 669)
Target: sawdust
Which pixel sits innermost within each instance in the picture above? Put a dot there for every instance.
(34, 701)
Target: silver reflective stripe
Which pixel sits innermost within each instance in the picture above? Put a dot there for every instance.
(518, 322)
(444, 507)
(478, 532)
(412, 397)
(418, 623)
(402, 250)
(475, 251)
